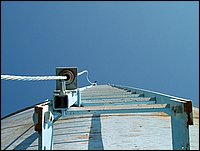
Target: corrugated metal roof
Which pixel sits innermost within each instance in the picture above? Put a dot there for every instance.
(94, 131)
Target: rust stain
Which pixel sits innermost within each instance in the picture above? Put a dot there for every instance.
(38, 126)
(38, 110)
(188, 111)
(86, 136)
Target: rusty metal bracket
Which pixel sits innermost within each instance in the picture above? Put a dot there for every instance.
(43, 120)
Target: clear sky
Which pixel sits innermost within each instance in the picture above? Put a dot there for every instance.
(149, 45)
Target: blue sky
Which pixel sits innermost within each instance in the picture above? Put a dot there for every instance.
(150, 45)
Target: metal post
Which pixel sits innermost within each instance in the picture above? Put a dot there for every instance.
(79, 98)
(180, 129)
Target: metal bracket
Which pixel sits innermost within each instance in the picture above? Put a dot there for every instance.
(43, 120)
(63, 101)
(66, 94)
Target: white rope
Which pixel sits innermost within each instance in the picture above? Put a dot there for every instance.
(39, 78)
(32, 78)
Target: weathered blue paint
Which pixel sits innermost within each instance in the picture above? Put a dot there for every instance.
(121, 96)
(114, 111)
(118, 103)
